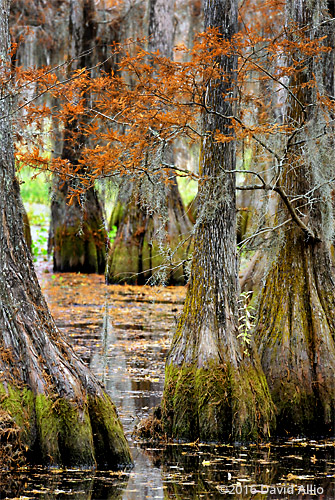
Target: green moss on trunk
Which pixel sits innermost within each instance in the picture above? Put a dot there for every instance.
(109, 441)
(64, 432)
(79, 249)
(117, 215)
(295, 335)
(147, 243)
(19, 403)
(77, 233)
(58, 432)
(217, 403)
(134, 262)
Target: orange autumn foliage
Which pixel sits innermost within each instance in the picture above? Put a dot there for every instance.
(128, 124)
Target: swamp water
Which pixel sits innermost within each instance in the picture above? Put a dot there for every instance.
(123, 333)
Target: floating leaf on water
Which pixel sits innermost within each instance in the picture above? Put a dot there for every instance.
(291, 477)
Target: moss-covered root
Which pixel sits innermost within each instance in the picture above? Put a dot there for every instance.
(64, 433)
(150, 428)
(219, 403)
(58, 432)
(110, 443)
(11, 448)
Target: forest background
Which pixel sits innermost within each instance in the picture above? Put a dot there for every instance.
(249, 98)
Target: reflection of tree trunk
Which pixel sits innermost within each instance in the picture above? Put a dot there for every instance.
(296, 322)
(64, 414)
(85, 485)
(205, 480)
(212, 391)
(77, 234)
(138, 252)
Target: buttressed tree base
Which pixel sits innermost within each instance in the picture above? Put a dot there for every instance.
(63, 414)
(213, 392)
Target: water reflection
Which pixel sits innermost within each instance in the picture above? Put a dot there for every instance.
(60, 484)
(134, 396)
(122, 332)
(282, 470)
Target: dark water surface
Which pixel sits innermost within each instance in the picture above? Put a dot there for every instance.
(123, 333)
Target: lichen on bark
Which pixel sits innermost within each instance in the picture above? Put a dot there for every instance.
(212, 391)
(63, 414)
(295, 330)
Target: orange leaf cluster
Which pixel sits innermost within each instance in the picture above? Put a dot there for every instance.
(123, 122)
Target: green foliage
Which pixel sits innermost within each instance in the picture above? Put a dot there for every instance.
(112, 234)
(34, 189)
(39, 246)
(246, 319)
(37, 218)
(188, 189)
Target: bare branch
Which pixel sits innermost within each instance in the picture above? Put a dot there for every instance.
(261, 231)
(293, 212)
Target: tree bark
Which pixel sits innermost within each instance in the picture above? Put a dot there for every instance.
(161, 27)
(77, 233)
(138, 251)
(296, 319)
(64, 414)
(26, 228)
(212, 391)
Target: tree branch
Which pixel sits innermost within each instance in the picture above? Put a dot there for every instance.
(310, 235)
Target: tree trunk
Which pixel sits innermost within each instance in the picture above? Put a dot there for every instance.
(214, 392)
(26, 228)
(77, 233)
(161, 27)
(64, 415)
(296, 320)
(139, 250)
